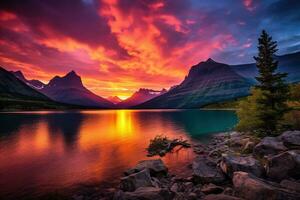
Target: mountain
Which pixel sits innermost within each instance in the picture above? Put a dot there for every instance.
(289, 63)
(17, 95)
(69, 89)
(12, 86)
(36, 84)
(206, 82)
(140, 96)
(114, 99)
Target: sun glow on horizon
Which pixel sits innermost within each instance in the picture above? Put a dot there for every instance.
(142, 44)
(123, 97)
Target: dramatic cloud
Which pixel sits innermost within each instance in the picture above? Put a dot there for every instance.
(118, 46)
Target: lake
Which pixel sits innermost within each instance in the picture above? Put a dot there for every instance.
(43, 152)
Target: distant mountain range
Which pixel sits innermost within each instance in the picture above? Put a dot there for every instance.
(289, 63)
(206, 83)
(36, 84)
(69, 89)
(114, 99)
(211, 82)
(12, 86)
(17, 95)
(140, 96)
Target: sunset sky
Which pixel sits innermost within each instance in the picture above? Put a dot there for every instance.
(118, 46)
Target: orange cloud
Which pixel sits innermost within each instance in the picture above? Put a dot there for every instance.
(160, 46)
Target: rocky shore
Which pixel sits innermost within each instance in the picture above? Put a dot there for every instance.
(232, 166)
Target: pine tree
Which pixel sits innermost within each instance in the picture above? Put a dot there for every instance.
(272, 103)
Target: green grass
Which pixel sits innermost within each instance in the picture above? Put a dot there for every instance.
(230, 104)
(13, 103)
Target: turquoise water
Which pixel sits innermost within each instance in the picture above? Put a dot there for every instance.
(47, 151)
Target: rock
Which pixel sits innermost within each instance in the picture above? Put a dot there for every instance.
(130, 171)
(269, 146)
(156, 167)
(291, 139)
(231, 164)
(175, 188)
(192, 196)
(188, 186)
(180, 196)
(211, 189)
(238, 142)
(248, 147)
(220, 197)
(284, 165)
(145, 193)
(291, 185)
(198, 150)
(198, 192)
(206, 171)
(182, 187)
(250, 187)
(77, 197)
(136, 180)
(228, 191)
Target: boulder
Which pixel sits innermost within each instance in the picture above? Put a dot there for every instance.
(145, 193)
(250, 187)
(228, 191)
(269, 146)
(237, 141)
(156, 167)
(231, 163)
(212, 189)
(136, 180)
(284, 165)
(206, 171)
(192, 196)
(182, 187)
(291, 139)
(248, 147)
(220, 197)
(291, 185)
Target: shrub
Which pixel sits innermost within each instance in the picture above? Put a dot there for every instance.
(247, 112)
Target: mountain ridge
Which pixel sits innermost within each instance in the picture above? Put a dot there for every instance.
(200, 87)
(206, 82)
(140, 96)
(36, 84)
(17, 95)
(114, 99)
(289, 63)
(70, 89)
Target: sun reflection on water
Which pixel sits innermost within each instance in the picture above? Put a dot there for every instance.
(60, 149)
(124, 125)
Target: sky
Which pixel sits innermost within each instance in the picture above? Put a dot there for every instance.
(119, 46)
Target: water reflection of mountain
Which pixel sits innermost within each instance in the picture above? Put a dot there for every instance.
(68, 124)
(11, 122)
(193, 122)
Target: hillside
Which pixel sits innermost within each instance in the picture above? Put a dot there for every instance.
(16, 95)
(207, 82)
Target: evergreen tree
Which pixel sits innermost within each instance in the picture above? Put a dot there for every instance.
(274, 90)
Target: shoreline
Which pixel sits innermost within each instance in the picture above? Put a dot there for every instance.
(107, 109)
(231, 166)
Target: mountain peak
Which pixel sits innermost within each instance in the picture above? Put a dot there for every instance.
(71, 73)
(114, 99)
(19, 75)
(210, 60)
(140, 96)
(71, 79)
